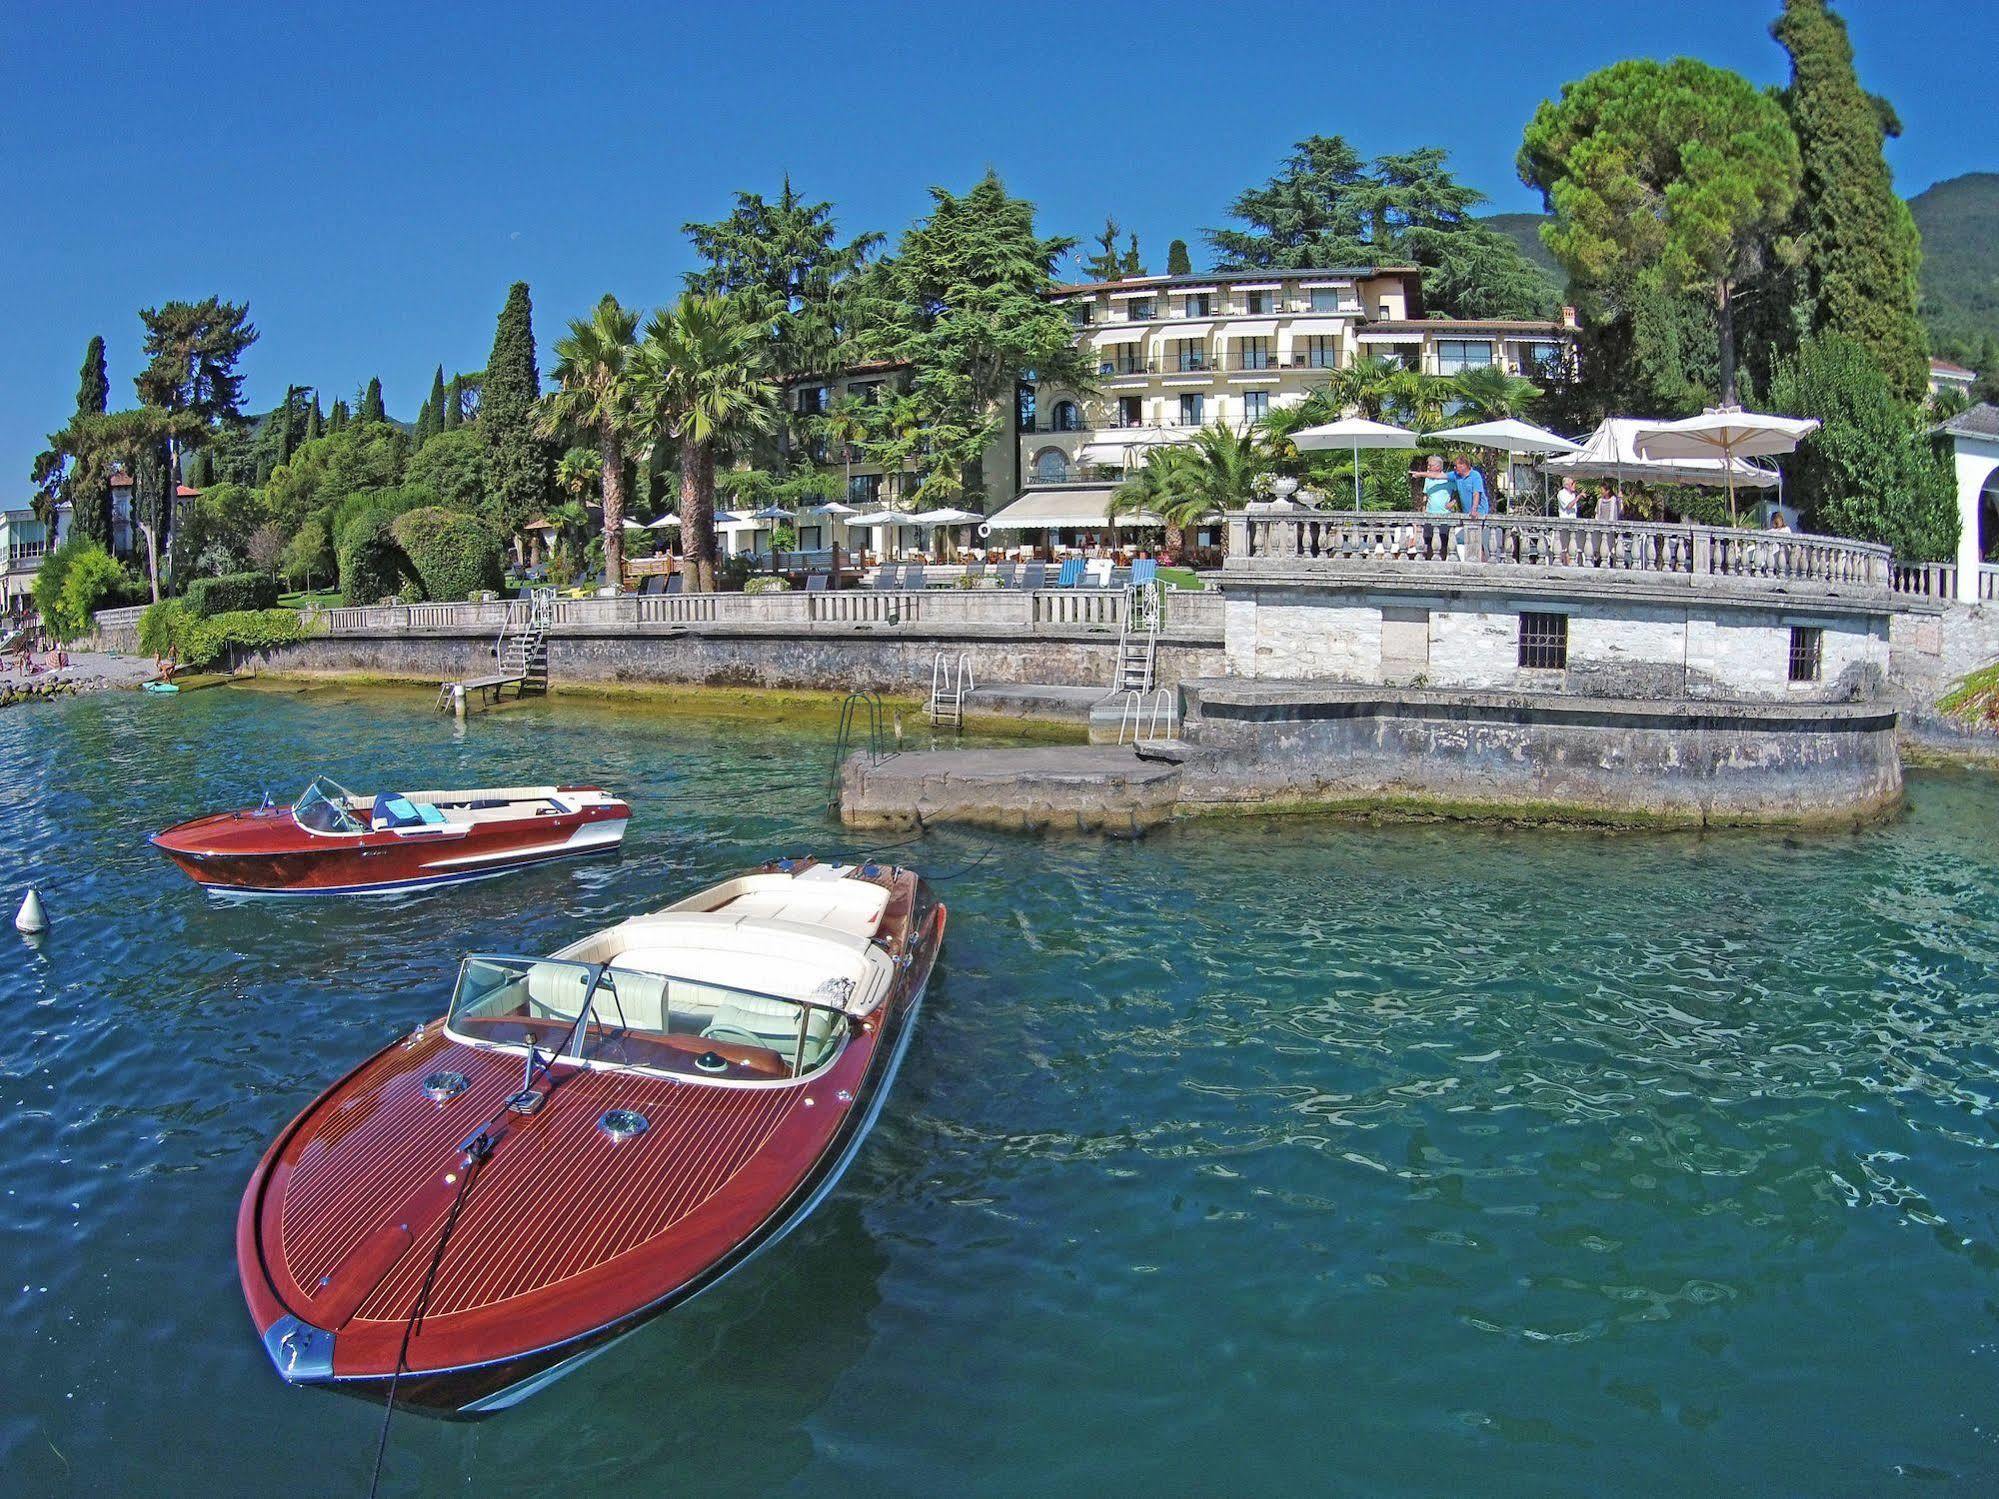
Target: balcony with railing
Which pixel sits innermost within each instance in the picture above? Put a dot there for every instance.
(1454, 550)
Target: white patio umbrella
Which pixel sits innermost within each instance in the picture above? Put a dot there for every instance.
(1511, 435)
(834, 508)
(1355, 432)
(634, 525)
(664, 522)
(1726, 433)
(943, 517)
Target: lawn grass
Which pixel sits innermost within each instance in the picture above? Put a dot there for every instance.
(1180, 577)
(309, 601)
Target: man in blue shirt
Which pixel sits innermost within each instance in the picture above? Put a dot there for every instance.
(1468, 484)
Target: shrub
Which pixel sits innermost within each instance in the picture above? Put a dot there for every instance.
(171, 628)
(767, 585)
(453, 555)
(74, 581)
(232, 592)
(453, 466)
(309, 554)
(371, 562)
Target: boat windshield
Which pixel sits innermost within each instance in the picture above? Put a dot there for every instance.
(512, 1001)
(323, 808)
(705, 1029)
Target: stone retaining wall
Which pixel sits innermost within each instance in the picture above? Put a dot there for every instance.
(1262, 744)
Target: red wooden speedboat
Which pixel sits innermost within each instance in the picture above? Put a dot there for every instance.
(585, 1140)
(332, 842)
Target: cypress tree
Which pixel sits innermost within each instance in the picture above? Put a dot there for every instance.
(339, 416)
(315, 421)
(430, 421)
(90, 492)
(454, 404)
(372, 409)
(1862, 254)
(522, 465)
(199, 472)
(1178, 262)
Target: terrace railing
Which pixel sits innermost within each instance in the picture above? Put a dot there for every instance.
(1051, 611)
(1393, 542)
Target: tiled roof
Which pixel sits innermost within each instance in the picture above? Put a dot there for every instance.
(1463, 325)
(1223, 278)
(1981, 420)
(1958, 371)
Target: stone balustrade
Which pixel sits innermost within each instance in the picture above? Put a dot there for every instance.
(974, 610)
(1402, 544)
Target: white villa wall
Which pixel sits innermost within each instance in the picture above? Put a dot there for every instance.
(1615, 648)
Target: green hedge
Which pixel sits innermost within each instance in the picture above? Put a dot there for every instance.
(454, 555)
(231, 593)
(172, 628)
(372, 563)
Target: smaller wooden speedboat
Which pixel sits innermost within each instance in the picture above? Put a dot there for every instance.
(332, 842)
(585, 1140)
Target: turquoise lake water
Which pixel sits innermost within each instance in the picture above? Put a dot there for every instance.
(1261, 1157)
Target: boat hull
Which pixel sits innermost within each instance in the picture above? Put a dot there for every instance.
(510, 1342)
(263, 853)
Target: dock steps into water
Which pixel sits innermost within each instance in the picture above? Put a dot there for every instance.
(950, 684)
(521, 654)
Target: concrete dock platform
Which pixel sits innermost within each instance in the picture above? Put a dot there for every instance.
(1101, 788)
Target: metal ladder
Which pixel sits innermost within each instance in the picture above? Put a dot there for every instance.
(1145, 714)
(859, 709)
(524, 652)
(949, 686)
(1138, 640)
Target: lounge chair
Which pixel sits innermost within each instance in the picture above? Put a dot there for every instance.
(1144, 571)
(816, 582)
(915, 577)
(975, 570)
(887, 576)
(1034, 575)
(1071, 574)
(1008, 574)
(677, 583)
(1099, 570)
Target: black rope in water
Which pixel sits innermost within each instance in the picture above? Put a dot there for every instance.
(938, 879)
(477, 1149)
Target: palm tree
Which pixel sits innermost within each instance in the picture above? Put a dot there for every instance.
(1367, 388)
(703, 378)
(1486, 393)
(592, 404)
(1185, 483)
(579, 471)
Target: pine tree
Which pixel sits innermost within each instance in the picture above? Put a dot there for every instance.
(1178, 262)
(1861, 253)
(523, 467)
(1131, 265)
(454, 403)
(199, 473)
(372, 409)
(339, 417)
(1105, 264)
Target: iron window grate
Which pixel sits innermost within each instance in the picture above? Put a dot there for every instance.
(1544, 641)
(1807, 652)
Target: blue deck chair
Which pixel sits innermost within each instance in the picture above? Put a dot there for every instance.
(887, 577)
(915, 577)
(1144, 571)
(1008, 574)
(677, 583)
(1071, 574)
(1034, 575)
(975, 570)
(816, 582)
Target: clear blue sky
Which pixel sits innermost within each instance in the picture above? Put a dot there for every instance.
(372, 190)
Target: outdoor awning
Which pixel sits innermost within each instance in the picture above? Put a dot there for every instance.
(1250, 330)
(1411, 337)
(1058, 509)
(1318, 325)
(1131, 335)
(1186, 330)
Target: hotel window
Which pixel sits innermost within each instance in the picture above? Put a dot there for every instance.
(1256, 303)
(1255, 405)
(1807, 652)
(865, 392)
(1051, 466)
(1321, 352)
(1383, 310)
(1068, 417)
(1455, 354)
(1192, 408)
(1025, 395)
(864, 489)
(1138, 310)
(1082, 314)
(1130, 411)
(1199, 304)
(1544, 642)
(1254, 354)
(1190, 355)
(813, 399)
(1325, 299)
(1544, 359)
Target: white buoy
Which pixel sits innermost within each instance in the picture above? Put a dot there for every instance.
(31, 917)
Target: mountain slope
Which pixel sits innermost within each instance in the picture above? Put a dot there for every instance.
(1524, 229)
(1960, 224)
